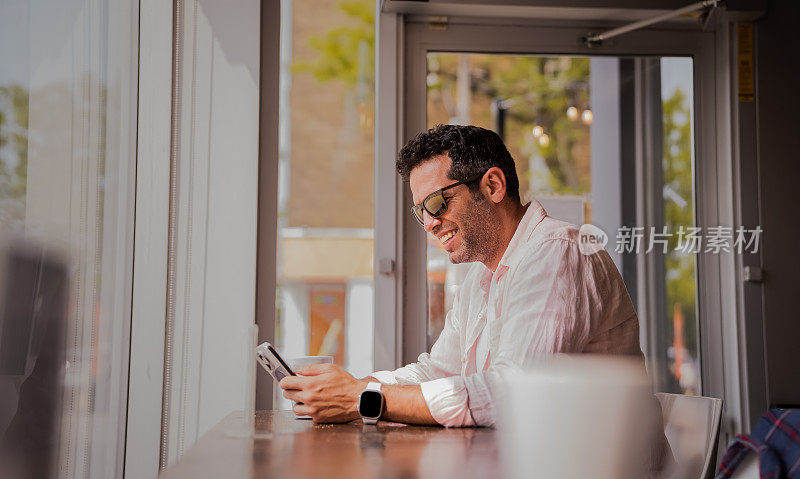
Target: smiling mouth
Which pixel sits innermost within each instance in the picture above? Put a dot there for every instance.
(447, 237)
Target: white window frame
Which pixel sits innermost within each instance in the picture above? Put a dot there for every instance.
(149, 305)
(389, 227)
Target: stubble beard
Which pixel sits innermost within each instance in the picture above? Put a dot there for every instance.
(479, 231)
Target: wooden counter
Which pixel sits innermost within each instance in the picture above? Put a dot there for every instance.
(285, 447)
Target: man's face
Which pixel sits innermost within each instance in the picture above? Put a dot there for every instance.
(466, 229)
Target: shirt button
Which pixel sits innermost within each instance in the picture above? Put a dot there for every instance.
(480, 316)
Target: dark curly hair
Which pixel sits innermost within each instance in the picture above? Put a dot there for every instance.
(473, 150)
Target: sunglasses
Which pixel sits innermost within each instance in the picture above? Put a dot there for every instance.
(435, 203)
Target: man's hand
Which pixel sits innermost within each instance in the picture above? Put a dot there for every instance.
(327, 393)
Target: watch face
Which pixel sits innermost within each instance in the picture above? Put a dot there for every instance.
(370, 404)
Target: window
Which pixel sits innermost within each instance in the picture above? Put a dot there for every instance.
(680, 326)
(326, 182)
(67, 165)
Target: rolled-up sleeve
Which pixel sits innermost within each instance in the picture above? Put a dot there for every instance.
(439, 375)
(447, 400)
(460, 401)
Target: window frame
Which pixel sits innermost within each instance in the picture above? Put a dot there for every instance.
(389, 214)
(149, 304)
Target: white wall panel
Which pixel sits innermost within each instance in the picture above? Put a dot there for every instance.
(212, 274)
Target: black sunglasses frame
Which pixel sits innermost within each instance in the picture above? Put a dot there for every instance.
(418, 210)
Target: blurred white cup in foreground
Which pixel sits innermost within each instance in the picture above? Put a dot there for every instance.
(576, 417)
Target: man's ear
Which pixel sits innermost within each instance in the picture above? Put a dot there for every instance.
(494, 184)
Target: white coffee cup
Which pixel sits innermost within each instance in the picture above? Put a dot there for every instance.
(301, 361)
(575, 417)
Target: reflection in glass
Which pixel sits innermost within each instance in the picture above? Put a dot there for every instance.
(67, 161)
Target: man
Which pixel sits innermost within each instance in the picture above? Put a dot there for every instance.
(530, 293)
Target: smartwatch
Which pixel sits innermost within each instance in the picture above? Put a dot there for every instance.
(371, 403)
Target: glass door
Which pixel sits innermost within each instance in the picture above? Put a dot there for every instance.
(611, 138)
(561, 118)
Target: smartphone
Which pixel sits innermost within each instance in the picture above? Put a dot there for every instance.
(270, 360)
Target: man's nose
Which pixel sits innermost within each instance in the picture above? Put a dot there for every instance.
(430, 222)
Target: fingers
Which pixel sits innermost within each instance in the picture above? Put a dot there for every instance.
(295, 395)
(302, 410)
(292, 382)
(315, 369)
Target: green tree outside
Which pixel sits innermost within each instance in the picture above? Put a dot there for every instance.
(537, 91)
(678, 175)
(14, 131)
(14, 159)
(346, 53)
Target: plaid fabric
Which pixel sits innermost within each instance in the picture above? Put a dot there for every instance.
(776, 440)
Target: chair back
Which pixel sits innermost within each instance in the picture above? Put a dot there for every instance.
(691, 426)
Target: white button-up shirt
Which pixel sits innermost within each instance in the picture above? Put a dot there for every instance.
(545, 297)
